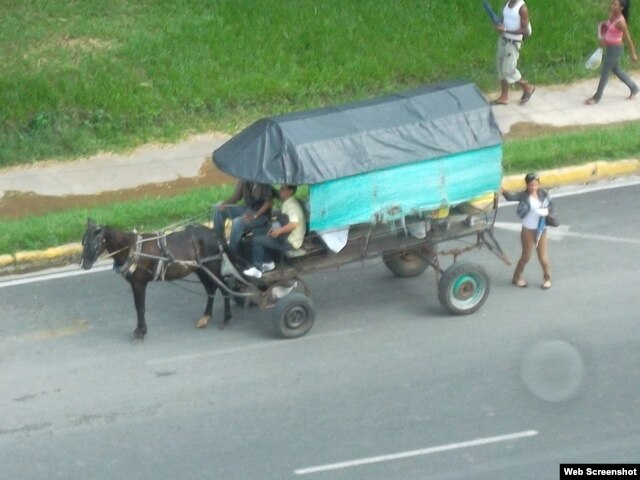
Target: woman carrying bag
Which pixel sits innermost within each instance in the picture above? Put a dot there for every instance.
(535, 208)
(613, 32)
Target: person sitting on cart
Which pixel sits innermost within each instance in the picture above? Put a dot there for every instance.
(285, 234)
(255, 213)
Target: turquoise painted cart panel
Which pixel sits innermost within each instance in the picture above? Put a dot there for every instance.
(406, 189)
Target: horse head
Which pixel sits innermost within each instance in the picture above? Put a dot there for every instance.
(93, 244)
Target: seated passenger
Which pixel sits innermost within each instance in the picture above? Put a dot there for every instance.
(255, 212)
(285, 235)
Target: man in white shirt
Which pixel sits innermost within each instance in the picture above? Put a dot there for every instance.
(514, 27)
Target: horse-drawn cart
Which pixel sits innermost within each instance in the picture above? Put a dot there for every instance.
(398, 177)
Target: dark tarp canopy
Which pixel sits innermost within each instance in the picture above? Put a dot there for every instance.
(327, 143)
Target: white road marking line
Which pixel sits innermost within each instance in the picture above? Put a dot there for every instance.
(602, 238)
(248, 348)
(415, 453)
(568, 191)
(571, 190)
(563, 231)
(51, 276)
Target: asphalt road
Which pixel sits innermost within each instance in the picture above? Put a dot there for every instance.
(385, 386)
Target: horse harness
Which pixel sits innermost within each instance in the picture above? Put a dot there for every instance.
(130, 265)
(165, 258)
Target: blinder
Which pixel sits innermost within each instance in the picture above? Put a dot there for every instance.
(93, 244)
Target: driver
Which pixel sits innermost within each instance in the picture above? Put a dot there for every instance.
(255, 213)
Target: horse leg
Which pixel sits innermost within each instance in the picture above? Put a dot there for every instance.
(139, 294)
(227, 309)
(208, 309)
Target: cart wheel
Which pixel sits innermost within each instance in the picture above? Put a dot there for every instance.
(408, 263)
(293, 315)
(463, 288)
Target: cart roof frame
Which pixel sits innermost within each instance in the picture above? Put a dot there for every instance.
(327, 143)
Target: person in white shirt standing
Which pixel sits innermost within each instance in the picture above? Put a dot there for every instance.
(514, 27)
(533, 203)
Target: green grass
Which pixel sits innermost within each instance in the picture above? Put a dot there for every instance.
(79, 77)
(149, 214)
(613, 142)
(533, 154)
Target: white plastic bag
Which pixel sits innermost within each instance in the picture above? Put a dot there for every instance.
(594, 61)
(543, 212)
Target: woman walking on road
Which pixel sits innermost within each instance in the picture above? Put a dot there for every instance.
(613, 32)
(533, 203)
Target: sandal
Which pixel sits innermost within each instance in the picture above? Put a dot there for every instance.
(520, 283)
(591, 101)
(497, 101)
(526, 96)
(546, 285)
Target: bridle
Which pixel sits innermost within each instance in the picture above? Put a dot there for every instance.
(96, 246)
(93, 245)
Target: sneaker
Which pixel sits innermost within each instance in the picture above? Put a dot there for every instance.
(267, 267)
(253, 272)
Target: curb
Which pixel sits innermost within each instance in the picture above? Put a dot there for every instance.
(587, 173)
(22, 262)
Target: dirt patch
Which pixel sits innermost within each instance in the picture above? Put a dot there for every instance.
(19, 204)
(83, 43)
(530, 130)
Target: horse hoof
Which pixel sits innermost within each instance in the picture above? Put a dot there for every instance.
(203, 322)
(137, 336)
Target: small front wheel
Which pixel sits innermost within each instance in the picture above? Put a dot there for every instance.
(293, 315)
(463, 288)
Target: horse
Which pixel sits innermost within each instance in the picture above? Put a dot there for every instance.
(142, 258)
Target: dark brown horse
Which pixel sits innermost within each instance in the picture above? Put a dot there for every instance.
(142, 258)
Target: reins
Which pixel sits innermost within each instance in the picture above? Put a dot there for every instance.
(116, 252)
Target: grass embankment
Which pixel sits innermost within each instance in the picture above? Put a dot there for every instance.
(554, 150)
(36, 232)
(82, 77)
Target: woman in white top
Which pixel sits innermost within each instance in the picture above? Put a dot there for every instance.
(533, 203)
(514, 26)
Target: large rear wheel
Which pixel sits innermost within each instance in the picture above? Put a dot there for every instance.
(408, 263)
(463, 288)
